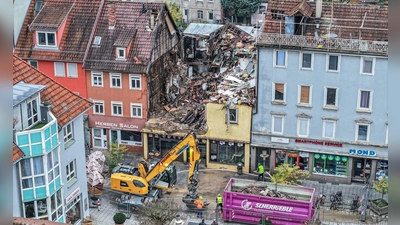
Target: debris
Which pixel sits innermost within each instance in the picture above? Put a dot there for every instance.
(263, 191)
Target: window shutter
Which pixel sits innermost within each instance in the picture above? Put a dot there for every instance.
(305, 94)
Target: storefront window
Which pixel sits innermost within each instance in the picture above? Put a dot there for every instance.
(382, 170)
(259, 152)
(73, 215)
(361, 168)
(280, 157)
(330, 164)
(226, 152)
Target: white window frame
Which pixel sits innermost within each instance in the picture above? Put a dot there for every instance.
(338, 64)
(275, 59)
(362, 60)
(70, 172)
(97, 74)
(273, 92)
(368, 132)
(55, 69)
(102, 138)
(273, 124)
(116, 76)
(137, 106)
(309, 103)
(34, 61)
(118, 56)
(69, 72)
(68, 135)
(98, 103)
(202, 13)
(135, 77)
(324, 129)
(33, 114)
(298, 127)
(387, 134)
(371, 95)
(112, 108)
(301, 61)
(326, 98)
(47, 41)
(236, 115)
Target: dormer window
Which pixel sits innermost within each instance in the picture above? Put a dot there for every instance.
(46, 38)
(121, 53)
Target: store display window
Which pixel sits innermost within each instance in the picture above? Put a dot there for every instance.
(382, 170)
(73, 209)
(259, 152)
(280, 157)
(226, 152)
(293, 158)
(330, 164)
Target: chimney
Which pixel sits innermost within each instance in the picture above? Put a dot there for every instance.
(44, 109)
(318, 12)
(111, 15)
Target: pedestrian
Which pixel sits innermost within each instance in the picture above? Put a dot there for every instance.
(219, 201)
(260, 171)
(200, 205)
(202, 222)
(214, 222)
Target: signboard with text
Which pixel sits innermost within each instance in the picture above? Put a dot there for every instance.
(116, 123)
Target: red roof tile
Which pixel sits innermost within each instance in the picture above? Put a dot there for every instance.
(17, 153)
(51, 16)
(30, 221)
(130, 19)
(65, 105)
(304, 8)
(346, 23)
(79, 25)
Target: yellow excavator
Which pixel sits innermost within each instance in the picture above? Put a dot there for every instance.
(162, 175)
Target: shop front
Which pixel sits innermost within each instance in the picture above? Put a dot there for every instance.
(227, 154)
(382, 169)
(125, 131)
(292, 157)
(73, 207)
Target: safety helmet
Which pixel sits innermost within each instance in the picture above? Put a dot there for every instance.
(259, 164)
(219, 195)
(200, 197)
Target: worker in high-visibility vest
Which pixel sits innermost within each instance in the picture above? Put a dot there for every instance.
(200, 205)
(219, 201)
(260, 170)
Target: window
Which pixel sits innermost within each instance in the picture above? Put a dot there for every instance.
(97, 79)
(131, 137)
(32, 110)
(68, 133)
(387, 135)
(362, 132)
(331, 97)
(32, 172)
(59, 70)
(306, 61)
(277, 124)
(364, 100)
(233, 116)
(72, 70)
(328, 129)
(330, 164)
(116, 108)
(121, 53)
(115, 80)
(280, 58)
(70, 170)
(200, 14)
(277, 15)
(333, 63)
(303, 126)
(278, 92)
(46, 39)
(135, 82)
(305, 95)
(136, 110)
(99, 138)
(211, 15)
(34, 63)
(226, 152)
(98, 107)
(367, 65)
(262, 9)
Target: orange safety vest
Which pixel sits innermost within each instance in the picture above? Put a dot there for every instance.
(199, 204)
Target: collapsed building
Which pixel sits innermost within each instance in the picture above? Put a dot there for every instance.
(213, 68)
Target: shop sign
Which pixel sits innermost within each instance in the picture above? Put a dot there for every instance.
(280, 140)
(362, 152)
(304, 154)
(71, 196)
(326, 143)
(247, 205)
(116, 125)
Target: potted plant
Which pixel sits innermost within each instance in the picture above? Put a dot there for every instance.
(119, 218)
(380, 206)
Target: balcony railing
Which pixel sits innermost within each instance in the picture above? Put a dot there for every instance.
(330, 44)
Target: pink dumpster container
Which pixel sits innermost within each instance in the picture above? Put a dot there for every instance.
(249, 208)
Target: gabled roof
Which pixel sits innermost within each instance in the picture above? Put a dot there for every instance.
(17, 152)
(131, 21)
(65, 105)
(32, 221)
(80, 22)
(349, 21)
(304, 8)
(51, 16)
(22, 91)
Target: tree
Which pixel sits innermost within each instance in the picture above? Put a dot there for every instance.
(158, 212)
(241, 7)
(175, 11)
(382, 186)
(115, 154)
(286, 174)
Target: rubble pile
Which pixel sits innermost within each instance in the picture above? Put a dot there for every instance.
(229, 79)
(262, 191)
